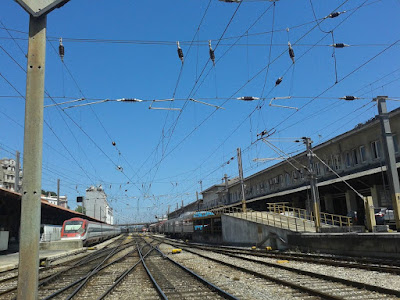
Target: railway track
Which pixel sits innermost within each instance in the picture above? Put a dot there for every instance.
(8, 283)
(379, 265)
(174, 281)
(313, 284)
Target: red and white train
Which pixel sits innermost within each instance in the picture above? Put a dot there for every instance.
(87, 231)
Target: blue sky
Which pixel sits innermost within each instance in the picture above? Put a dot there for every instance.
(126, 49)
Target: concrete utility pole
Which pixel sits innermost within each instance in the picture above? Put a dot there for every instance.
(390, 158)
(313, 185)
(201, 185)
(33, 146)
(58, 192)
(239, 156)
(17, 166)
(28, 270)
(227, 189)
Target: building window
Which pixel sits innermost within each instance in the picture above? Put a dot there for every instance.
(363, 154)
(376, 149)
(348, 160)
(396, 143)
(294, 176)
(302, 173)
(338, 164)
(317, 169)
(287, 179)
(281, 180)
(354, 155)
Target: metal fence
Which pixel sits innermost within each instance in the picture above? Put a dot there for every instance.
(285, 217)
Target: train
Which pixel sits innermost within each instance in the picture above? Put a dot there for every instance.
(183, 226)
(87, 231)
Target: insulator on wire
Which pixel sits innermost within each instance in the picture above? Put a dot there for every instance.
(264, 132)
(212, 55)
(339, 45)
(349, 98)
(61, 50)
(248, 98)
(113, 143)
(278, 81)
(291, 51)
(180, 52)
(335, 14)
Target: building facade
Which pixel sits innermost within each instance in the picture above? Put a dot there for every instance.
(356, 156)
(53, 200)
(96, 205)
(8, 173)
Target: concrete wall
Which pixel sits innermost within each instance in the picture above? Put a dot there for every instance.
(245, 233)
(366, 244)
(207, 238)
(61, 245)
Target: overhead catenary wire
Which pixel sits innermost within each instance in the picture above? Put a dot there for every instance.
(204, 120)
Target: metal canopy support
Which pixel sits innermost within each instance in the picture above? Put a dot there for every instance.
(390, 158)
(28, 271)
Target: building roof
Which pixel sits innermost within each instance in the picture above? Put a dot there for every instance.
(45, 203)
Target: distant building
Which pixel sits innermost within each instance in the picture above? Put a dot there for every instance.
(53, 200)
(7, 174)
(96, 205)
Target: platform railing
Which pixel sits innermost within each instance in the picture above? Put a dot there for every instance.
(276, 220)
(326, 218)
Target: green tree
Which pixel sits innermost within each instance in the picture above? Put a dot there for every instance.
(80, 209)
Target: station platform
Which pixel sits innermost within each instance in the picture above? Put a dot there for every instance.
(281, 232)
(46, 257)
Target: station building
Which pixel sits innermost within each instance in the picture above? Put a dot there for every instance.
(96, 205)
(356, 156)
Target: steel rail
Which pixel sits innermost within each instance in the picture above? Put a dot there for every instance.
(83, 278)
(347, 262)
(213, 287)
(77, 261)
(48, 278)
(95, 270)
(270, 278)
(158, 288)
(122, 276)
(91, 273)
(95, 256)
(356, 284)
(365, 286)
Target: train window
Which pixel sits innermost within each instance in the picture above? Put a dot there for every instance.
(72, 226)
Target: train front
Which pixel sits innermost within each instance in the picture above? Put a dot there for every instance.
(74, 229)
